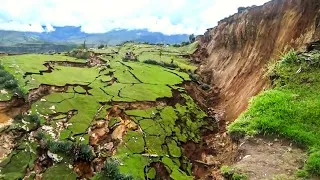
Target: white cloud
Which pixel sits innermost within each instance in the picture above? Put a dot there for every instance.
(49, 28)
(15, 26)
(97, 16)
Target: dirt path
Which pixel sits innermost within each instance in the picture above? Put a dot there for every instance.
(269, 158)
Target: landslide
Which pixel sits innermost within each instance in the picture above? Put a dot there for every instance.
(233, 54)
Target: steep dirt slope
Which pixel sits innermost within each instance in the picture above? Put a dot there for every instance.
(234, 53)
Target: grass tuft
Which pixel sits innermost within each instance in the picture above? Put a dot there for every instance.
(231, 173)
(111, 171)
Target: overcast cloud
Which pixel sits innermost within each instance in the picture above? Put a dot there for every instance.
(98, 16)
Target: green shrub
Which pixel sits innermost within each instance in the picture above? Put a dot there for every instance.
(205, 87)
(185, 43)
(40, 135)
(161, 63)
(111, 171)
(34, 118)
(3, 73)
(19, 92)
(83, 152)
(59, 146)
(8, 82)
(241, 9)
(289, 57)
(313, 163)
(192, 38)
(302, 173)
(150, 61)
(53, 146)
(11, 84)
(79, 53)
(237, 176)
(101, 46)
(194, 77)
(227, 171)
(231, 173)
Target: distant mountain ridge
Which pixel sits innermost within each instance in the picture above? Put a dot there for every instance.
(72, 34)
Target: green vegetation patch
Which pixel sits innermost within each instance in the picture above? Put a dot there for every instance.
(145, 92)
(33, 63)
(63, 75)
(8, 85)
(110, 171)
(134, 165)
(169, 59)
(86, 106)
(290, 108)
(133, 142)
(231, 173)
(152, 74)
(163, 131)
(60, 170)
(173, 168)
(13, 167)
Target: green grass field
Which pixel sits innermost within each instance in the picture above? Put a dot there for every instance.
(289, 109)
(66, 118)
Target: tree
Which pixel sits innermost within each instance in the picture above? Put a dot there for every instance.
(101, 46)
(192, 38)
(107, 42)
(241, 9)
(84, 44)
(185, 43)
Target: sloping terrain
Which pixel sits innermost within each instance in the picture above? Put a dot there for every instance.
(290, 108)
(233, 58)
(234, 53)
(75, 118)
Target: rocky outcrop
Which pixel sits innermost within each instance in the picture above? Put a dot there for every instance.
(234, 54)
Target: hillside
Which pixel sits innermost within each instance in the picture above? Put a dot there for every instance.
(234, 53)
(70, 34)
(278, 132)
(289, 108)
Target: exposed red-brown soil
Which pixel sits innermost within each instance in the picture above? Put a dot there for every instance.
(232, 57)
(234, 53)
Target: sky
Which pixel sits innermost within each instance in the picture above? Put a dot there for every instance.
(99, 16)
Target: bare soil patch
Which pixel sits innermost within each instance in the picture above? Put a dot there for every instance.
(269, 158)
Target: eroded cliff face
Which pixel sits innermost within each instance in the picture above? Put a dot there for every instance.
(234, 54)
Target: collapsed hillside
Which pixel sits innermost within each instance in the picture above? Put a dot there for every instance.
(233, 54)
(123, 113)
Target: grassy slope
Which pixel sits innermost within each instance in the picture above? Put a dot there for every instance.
(290, 109)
